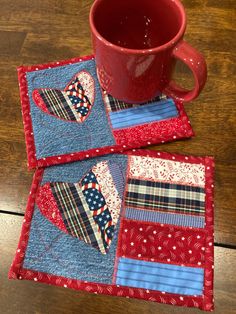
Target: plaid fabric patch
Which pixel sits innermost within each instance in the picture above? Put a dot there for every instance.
(84, 211)
(58, 103)
(71, 104)
(166, 197)
(76, 214)
(114, 104)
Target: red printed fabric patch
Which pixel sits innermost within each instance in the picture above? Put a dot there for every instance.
(48, 206)
(161, 243)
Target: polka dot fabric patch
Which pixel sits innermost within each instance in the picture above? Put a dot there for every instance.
(150, 238)
(68, 117)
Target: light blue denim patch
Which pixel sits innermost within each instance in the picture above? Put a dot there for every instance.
(159, 276)
(54, 136)
(52, 251)
(73, 172)
(151, 112)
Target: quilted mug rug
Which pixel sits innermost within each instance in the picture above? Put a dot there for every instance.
(137, 225)
(68, 117)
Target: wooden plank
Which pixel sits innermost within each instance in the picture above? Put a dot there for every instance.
(55, 46)
(52, 30)
(15, 179)
(30, 297)
(11, 42)
(47, 6)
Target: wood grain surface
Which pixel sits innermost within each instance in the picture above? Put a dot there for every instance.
(33, 31)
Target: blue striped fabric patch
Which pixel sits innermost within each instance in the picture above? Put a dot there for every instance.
(165, 218)
(155, 111)
(118, 177)
(161, 277)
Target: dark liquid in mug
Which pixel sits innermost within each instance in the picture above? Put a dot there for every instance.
(137, 24)
(134, 31)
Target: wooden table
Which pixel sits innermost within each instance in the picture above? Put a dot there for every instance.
(41, 31)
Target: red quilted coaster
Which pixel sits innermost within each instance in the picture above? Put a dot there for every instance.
(137, 224)
(68, 117)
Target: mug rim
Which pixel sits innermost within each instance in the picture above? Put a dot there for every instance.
(121, 49)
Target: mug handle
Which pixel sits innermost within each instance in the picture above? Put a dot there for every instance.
(197, 64)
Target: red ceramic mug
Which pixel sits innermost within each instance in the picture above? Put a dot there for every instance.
(136, 44)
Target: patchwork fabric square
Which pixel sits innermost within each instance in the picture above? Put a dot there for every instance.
(137, 224)
(68, 117)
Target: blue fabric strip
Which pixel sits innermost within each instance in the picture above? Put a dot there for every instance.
(159, 276)
(165, 218)
(118, 176)
(155, 111)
